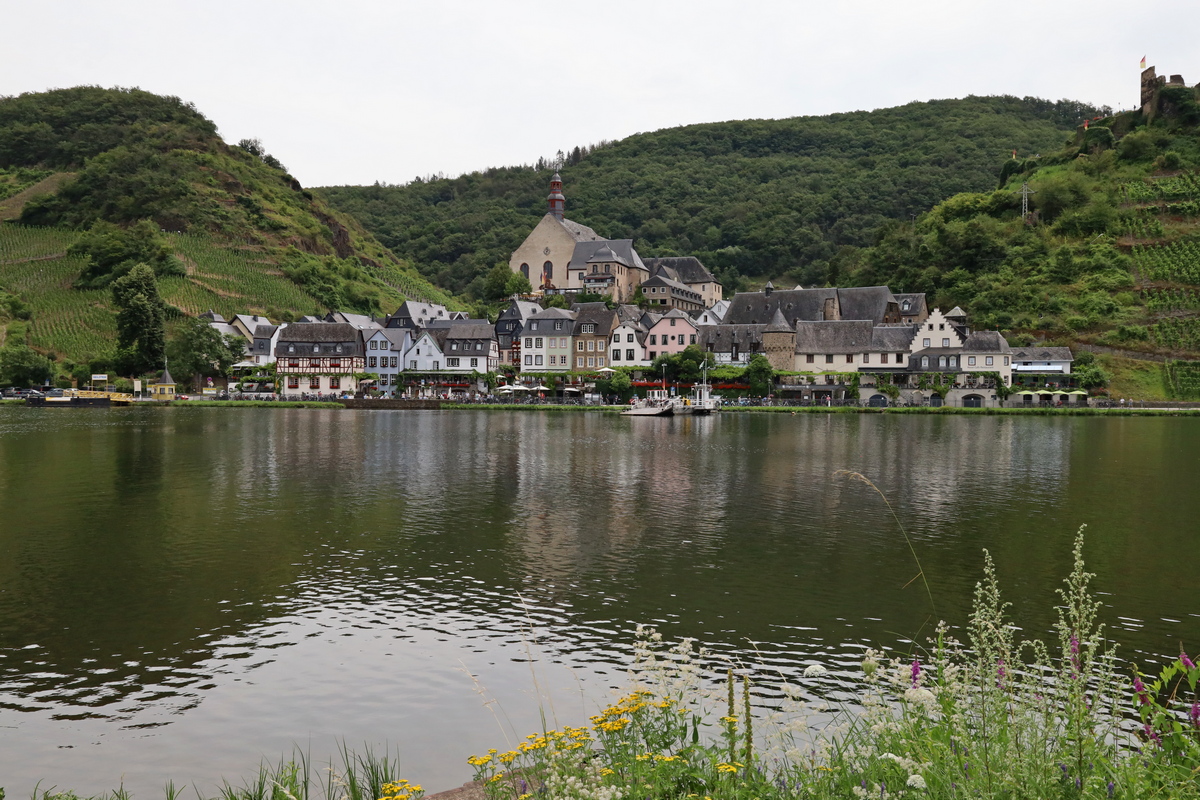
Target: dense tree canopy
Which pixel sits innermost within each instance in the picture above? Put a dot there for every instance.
(141, 330)
(755, 197)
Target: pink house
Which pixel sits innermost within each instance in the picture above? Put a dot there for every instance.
(673, 332)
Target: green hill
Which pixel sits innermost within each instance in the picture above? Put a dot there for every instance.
(752, 198)
(1108, 259)
(249, 237)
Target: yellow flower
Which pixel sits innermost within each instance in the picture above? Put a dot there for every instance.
(643, 756)
(726, 768)
(728, 719)
(495, 777)
(508, 758)
(478, 761)
(606, 771)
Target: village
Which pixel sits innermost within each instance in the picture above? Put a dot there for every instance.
(864, 345)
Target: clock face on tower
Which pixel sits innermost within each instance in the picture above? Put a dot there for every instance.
(546, 251)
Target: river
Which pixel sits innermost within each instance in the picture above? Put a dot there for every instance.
(184, 592)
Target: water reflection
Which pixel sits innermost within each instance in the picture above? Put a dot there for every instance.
(239, 580)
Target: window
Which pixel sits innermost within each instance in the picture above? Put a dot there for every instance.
(988, 360)
(293, 362)
(528, 342)
(537, 361)
(810, 358)
(941, 326)
(591, 345)
(591, 361)
(335, 383)
(412, 365)
(371, 361)
(616, 355)
(395, 360)
(579, 345)
(293, 381)
(529, 361)
(291, 348)
(558, 325)
(953, 361)
(525, 271)
(474, 362)
(629, 356)
(616, 338)
(691, 338)
(1006, 361)
(924, 362)
(883, 358)
(538, 343)
(925, 342)
(454, 345)
(451, 362)
(437, 365)
(970, 361)
(589, 327)
(563, 343)
(385, 345)
(828, 359)
(316, 348)
(548, 270)
(335, 363)
(629, 337)
(579, 361)
(314, 382)
(672, 323)
(373, 345)
(931, 326)
(653, 355)
(533, 326)
(337, 349)
(945, 342)
(849, 358)
(653, 339)
(479, 345)
(941, 362)
(599, 361)
(866, 358)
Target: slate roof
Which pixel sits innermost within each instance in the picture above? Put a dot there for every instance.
(989, 342)
(212, 316)
(598, 314)
(251, 321)
(361, 321)
(621, 248)
(419, 312)
(722, 338)
(553, 313)
(674, 313)
(778, 324)
(753, 308)
(629, 314)
(165, 377)
(519, 309)
(1043, 354)
(916, 303)
(606, 254)
(319, 332)
(865, 302)
(956, 312)
(892, 338)
(580, 233)
(834, 337)
(265, 331)
(685, 269)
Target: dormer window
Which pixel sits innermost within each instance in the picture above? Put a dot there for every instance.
(291, 348)
(337, 349)
(316, 348)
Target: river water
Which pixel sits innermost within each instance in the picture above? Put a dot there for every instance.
(184, 592)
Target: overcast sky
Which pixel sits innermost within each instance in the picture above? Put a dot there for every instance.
(353, 92)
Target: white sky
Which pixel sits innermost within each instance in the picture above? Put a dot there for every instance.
(356, 91)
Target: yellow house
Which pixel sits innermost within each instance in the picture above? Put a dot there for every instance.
(163, 388)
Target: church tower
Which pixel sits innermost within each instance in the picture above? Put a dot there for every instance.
(555, 198)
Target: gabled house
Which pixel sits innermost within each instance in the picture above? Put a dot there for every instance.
(321, 357)
(385, 356)
(627, 345)
(424, 354)
(662, 292)
(671, 333)
(546, 341)
(689, 271)
(594, 323)
(415, 315)
(469, 346)
(509, 326)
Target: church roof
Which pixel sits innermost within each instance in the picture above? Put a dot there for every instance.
(580, 233)
(621, 248)
(606, 254)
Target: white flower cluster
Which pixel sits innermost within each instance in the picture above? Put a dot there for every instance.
(814, 671)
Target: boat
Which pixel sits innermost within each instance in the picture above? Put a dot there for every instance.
(701, 401)
(656, 404)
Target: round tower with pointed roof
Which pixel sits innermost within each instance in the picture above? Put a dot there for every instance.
(555, 199)
(779, 342)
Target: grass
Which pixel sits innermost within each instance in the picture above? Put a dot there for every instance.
(1132, 378)
(994, 717)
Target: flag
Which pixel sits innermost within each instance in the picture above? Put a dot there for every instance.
(1143, 62)
(1085, 124)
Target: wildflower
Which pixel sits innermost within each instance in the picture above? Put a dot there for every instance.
(1139, 689)
(1151, 734)
(916, 672)
(729, 719)
(1001, 672)
(890, 756)
(727, 768)
(915, 782)
(1195, 714)
(1187, 662)
(478, 761)
(870, 664)
(814, 671)
(606, 771)
(1112, 788)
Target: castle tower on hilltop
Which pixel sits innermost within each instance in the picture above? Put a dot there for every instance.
(555, 198)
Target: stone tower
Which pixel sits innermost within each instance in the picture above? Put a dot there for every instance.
(555, 198)
(779, 343)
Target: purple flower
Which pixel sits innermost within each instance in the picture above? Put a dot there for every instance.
(1112, 787)
(916, 672)
(1195, 714)
(1151, 734)
(1139, 689)
(1066, 772)
(1001, 672)
(1079, 783)
(1187, 662)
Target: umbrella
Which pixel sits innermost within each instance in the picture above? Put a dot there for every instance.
(572, 389)
(1077, 391)
(606, 370)
(520, 388)
(540, 388)
(1026, 392)
(504, 390)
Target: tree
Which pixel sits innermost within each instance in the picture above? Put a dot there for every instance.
(21, 365)
(141, 332)
(495, 284)
(517, 284)
(112, 251)
(201, 350)
(759, 374)
(557, 301)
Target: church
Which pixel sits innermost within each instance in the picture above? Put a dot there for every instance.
(560, 256)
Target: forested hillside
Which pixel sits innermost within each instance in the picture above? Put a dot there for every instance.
(1109, 256)
(242, 234)
(754, 198)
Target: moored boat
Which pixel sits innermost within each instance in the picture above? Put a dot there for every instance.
(656, 404)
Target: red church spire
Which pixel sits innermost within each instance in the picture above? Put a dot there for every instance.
(555, 198)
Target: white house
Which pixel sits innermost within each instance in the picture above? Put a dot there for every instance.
(385, 355)
(546, 341)
(627, 346)
(424, 354)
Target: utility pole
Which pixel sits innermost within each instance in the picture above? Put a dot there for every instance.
(1025, 192)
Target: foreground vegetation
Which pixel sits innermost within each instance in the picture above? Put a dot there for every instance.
(993, 717)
